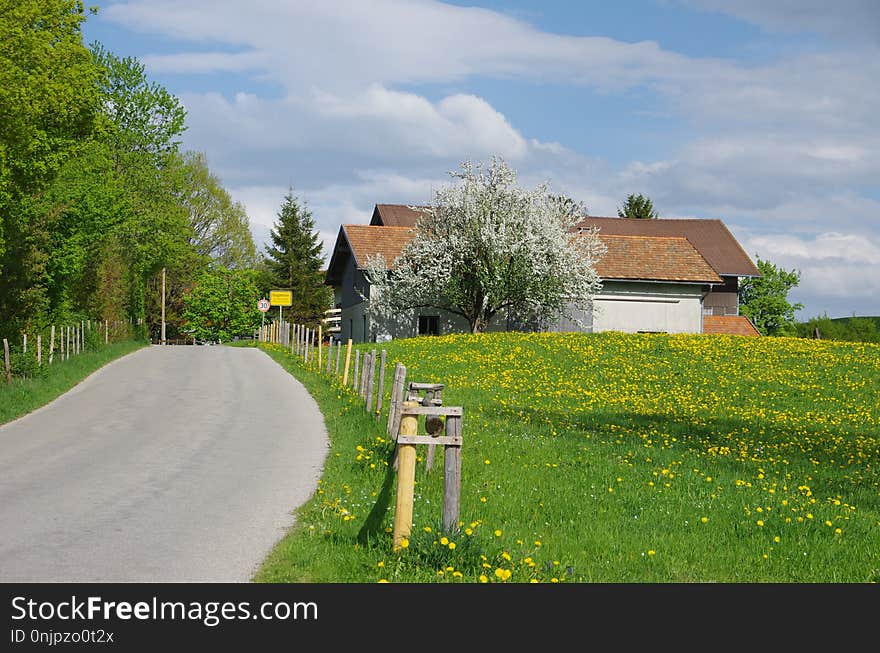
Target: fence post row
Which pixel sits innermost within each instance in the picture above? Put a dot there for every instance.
(405, 406)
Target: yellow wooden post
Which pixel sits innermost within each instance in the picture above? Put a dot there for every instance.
(347, 364)
(406, 478)
(320, 346)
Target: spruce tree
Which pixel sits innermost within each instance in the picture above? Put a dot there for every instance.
(638, 207)
(294, 261)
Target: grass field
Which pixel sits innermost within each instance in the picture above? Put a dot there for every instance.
(611, 458)
(24, 395)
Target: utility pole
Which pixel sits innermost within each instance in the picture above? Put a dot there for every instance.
(163, 306)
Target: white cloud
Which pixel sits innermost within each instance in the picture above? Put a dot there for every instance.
(849, 247)
(783, 148)
(840, 272)
(842, 19)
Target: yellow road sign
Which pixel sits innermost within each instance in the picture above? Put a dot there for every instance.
(281, 298)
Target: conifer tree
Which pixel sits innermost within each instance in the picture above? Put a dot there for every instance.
(294, 261)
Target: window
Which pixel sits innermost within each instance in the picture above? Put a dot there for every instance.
(429, 325)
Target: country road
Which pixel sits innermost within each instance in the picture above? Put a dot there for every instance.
(172, 464)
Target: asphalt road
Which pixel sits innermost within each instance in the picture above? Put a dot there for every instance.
(171, 464)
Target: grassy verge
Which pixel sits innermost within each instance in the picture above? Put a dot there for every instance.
(24, 395)
(611, 458)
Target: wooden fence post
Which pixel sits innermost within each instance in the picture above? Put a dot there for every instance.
(396, 395)
(320, 346)
(381, 389)
(452, 476)
(329, 356)
(51, 343)
(39, 350)
(394, 412)
(106, 333)
(362, 380)
(357, 364)
(24, 346)
(6, 359)
(347, 364)
(406, 476)
(338, 356)
(370, 381)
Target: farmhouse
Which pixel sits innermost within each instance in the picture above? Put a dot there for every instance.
(662, 275)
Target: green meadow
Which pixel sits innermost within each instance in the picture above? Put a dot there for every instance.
(609, 458)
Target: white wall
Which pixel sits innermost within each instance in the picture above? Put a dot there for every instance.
(632, 307)
(622, 306)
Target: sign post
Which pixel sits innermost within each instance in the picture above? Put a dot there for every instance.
(280, 298)
(263, 306)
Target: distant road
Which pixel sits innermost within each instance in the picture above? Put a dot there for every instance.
(171, 464)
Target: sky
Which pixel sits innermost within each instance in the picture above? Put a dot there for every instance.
(761, 113)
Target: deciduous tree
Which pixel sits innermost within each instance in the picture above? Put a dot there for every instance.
(221, 305)
(484, 246)
(764, 299)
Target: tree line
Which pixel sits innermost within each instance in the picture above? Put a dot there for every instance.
(98, 196)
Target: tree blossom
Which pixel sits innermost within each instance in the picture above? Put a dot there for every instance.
(484, 246)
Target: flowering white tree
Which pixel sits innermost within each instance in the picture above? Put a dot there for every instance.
(485, 246)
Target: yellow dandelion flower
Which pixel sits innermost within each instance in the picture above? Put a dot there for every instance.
(404, 543)
(383, 580)
(452, 546)
(444, 541)
(704, 519)
(497, 532)
(381, 563)
(760, 522)
(483, 578)
(651, 552)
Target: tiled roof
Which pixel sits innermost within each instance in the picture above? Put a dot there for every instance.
(395, 215)
(711, 238)
(368, 240)
(732, 325)
(653, 259)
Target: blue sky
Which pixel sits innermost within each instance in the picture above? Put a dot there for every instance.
(760, 113)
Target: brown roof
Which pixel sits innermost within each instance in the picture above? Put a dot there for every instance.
(653, 259)
(368, 240)
(732, 325)
(395, 215)
(710, 237)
